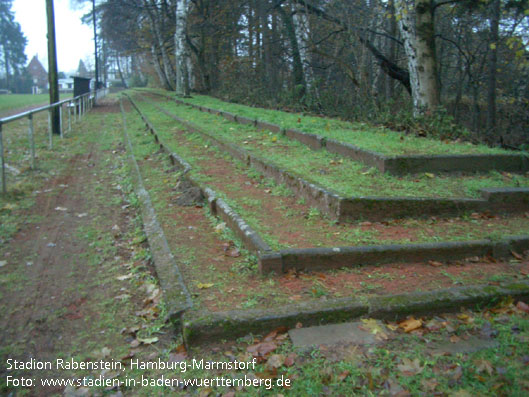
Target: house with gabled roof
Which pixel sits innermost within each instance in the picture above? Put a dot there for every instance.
(38, 75)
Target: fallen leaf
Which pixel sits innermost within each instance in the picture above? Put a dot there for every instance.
(275, 361)
(220, 227)
(429, 384)
(410, 324)
(483, 365)
(455, 339)
(465, 318)
(523, 306)
(375, 327)
(61, 209)
(343, 375)
(234, 253)
(177, 357)
(261, 349)
(274, 334)
(517, 255)
(148, 341)
(82, 215)
(135, 343)
(3, 263)
(290, 359)
(435, 263)
(429, 175)
(204, 285)
(105, 352)
(122, 297)
(125, 277)
(410, 367)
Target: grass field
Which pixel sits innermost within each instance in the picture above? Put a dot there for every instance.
(12, 102)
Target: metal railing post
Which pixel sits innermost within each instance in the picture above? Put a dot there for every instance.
(60, 120)
(31, 130)
(50, 134)
(69, 116)
(2, 162)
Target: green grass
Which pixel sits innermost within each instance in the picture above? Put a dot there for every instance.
(345, 176)
(378, 139)
(19, 101)
(313, 227)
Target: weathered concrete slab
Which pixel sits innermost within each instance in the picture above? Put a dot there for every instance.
(331, 334)
(176, 295)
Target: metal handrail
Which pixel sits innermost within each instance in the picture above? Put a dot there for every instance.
(83, 103)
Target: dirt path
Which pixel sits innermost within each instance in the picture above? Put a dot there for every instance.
(59, 287)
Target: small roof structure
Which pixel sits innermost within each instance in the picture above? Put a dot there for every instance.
(81, 85)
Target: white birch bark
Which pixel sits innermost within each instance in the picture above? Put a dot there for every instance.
(416, 25)
(302, 29)
(181, 53)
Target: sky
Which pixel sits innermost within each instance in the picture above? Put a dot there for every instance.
(75, 41)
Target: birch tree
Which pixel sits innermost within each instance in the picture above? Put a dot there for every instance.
(416, 26)
(181, 53)
(301, 29)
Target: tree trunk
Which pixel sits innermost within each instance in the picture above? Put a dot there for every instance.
(416, 26)
(155, 17)
(390, 87)
(118, 63)
(181, 54)
(297, 67)
(158, 69)
(6, 64)
(301, 29)
(492, 65)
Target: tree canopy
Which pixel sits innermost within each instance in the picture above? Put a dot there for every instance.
(13, 44)
(453, 63)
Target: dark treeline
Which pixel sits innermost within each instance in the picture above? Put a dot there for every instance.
(433, 67)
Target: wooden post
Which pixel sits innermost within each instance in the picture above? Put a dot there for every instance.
(31, 130)
(53, 78)
(2, 162)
